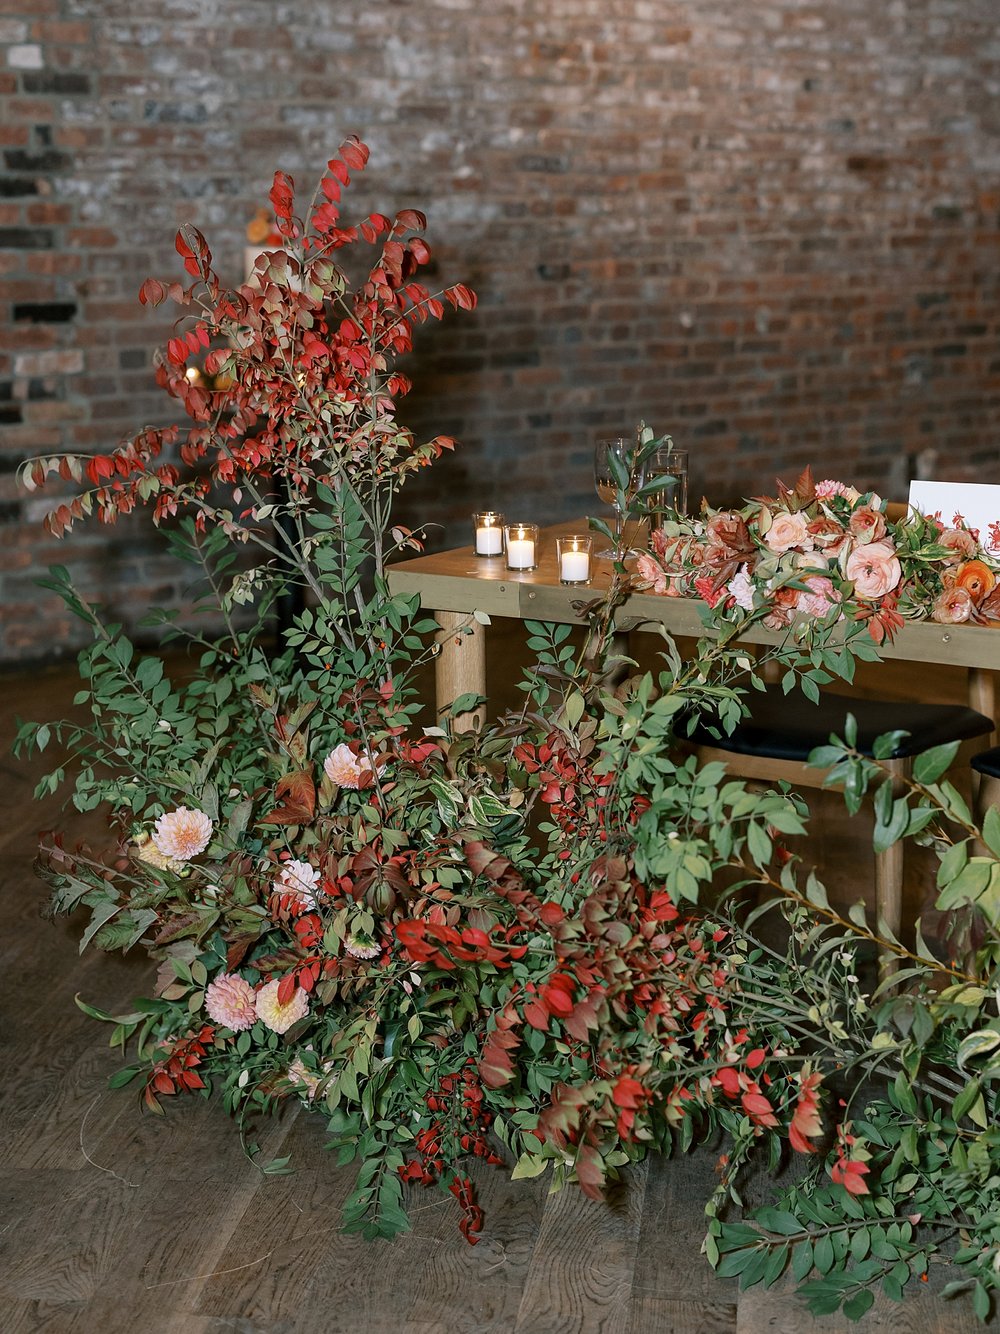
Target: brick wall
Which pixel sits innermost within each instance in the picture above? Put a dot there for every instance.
(771, 227)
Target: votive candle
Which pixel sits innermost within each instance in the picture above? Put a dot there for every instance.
(522, 546)
(489, 533)
(573, 555)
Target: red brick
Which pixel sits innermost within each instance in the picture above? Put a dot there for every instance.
(89, 238)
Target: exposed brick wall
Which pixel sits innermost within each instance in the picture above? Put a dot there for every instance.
(770, 226)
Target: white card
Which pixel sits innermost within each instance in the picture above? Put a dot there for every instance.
(972, 503)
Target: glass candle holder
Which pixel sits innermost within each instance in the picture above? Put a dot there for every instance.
(489, 533)
(522, 546)
(573, 556)
(669, 467)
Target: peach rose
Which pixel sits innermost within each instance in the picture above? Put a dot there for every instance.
(952, 607)
(874, 569)
(960, 543)
(650, 572)
(783, 604)
(728, 529)
(867, 524)
(787, 531)
(828, 535)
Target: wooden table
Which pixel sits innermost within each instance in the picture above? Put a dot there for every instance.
(454, 584)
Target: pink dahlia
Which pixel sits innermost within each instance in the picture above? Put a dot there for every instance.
(182, 834)
(229, 1001)
(300, 879)
(279, 1018)
(345, 768)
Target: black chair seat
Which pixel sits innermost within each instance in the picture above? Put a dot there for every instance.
(788, 727)
(987, 762)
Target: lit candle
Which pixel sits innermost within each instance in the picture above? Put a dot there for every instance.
(520, 553)
(574, 567)
(489, 541)
(573, 554)
(488, 527)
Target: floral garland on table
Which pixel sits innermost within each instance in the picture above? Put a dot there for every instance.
(823, 551)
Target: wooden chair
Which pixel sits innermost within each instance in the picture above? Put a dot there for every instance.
(774, 742)
(987, 766)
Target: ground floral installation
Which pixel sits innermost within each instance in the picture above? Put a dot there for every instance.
(525, 944)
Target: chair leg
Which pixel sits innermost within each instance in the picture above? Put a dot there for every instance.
(987, 795)
(889, 879)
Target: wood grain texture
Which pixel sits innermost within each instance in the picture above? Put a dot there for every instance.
(580, 1275)
(662, 1315)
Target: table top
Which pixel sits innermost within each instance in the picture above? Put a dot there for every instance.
(459, 580)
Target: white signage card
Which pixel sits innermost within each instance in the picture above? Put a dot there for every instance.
(973, 504)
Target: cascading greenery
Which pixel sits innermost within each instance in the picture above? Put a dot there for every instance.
(533, 943)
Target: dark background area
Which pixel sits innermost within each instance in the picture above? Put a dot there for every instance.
(769, 228)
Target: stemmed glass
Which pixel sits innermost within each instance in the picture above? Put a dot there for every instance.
(618, 473)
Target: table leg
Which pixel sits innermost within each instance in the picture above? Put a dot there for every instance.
(461, 665)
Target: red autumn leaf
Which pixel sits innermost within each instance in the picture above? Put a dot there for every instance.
(537, 1016)
(100, 467)
(409, 220)
(851, 1176)
(282, 194)
(354, 153)
(496, 1066)
(163, 1083)
(152, 292)
(296, 800)
(590, 1171)
(286, 988)
(628, 1092)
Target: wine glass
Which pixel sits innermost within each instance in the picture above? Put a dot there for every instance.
(616, 472)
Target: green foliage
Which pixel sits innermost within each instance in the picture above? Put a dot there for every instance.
(557, 935)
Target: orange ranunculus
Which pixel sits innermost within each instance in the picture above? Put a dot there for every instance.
(976, 577)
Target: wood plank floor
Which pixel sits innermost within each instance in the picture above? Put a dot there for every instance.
(116, 1221)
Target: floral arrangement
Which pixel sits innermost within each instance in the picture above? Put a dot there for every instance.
(508, 946)
(824, 551)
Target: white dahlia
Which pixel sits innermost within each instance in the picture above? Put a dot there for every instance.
(300, 879)
(279, 1018)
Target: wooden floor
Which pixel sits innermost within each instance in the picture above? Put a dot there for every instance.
(114, 1221)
